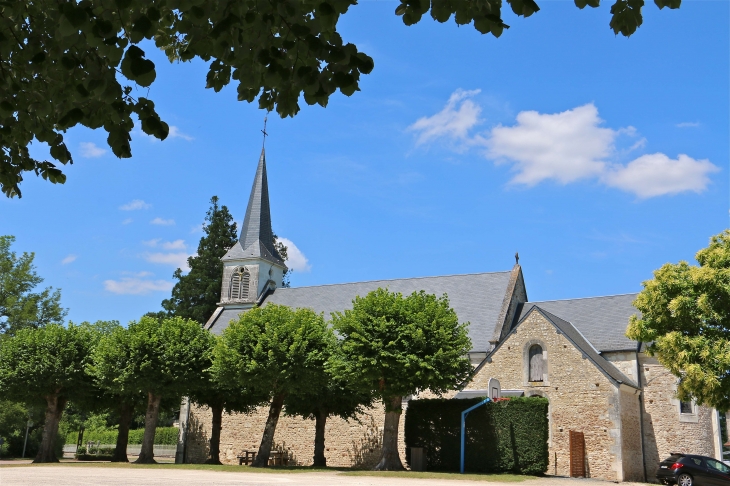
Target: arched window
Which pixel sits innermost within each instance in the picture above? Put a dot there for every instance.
(536, 363)
(238, 288)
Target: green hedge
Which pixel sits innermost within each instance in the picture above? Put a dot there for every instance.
(505, 436)
(163, 436)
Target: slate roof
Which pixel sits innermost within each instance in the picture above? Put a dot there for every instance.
(578, 340)
(257, 238)
(476, 298)
(602, 320)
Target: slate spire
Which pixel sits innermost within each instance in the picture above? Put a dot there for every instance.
(257, 238)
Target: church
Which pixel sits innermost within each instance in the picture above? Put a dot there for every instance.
(600, 385)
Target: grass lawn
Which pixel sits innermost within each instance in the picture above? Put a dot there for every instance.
(500, 478)
(200, 467)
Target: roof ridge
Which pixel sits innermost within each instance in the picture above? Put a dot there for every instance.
(580, 298)
(392, 280)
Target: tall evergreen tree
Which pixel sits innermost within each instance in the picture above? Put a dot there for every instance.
(196, 294)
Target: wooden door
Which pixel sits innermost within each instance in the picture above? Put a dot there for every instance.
(577, 455)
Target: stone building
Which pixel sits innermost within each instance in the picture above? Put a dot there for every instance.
(573, 352)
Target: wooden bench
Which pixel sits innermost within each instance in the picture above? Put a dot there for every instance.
(246, 457)
(275, 458)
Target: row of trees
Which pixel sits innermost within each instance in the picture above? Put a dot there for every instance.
(389, 346)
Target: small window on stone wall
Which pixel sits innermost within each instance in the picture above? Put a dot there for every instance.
(536, 363)
(685, 407)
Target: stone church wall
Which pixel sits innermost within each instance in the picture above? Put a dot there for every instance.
(347, 444)
(581, 397)
(665, 430)
(631, 455)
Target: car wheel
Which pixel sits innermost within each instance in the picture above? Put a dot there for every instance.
(685, 480)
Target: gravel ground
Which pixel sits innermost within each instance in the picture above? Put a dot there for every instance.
(73, 476)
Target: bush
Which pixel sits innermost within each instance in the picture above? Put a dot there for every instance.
(505, 436)
(163, 436)
(94, 453)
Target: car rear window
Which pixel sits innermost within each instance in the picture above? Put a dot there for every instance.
(673, 458)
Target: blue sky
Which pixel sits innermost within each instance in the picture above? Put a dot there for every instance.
(598, 158)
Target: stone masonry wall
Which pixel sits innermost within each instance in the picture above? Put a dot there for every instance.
(581, 397)
(665, 431)
(347, 444)
(633, 463)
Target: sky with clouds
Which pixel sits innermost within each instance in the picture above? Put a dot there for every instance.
(598, 158)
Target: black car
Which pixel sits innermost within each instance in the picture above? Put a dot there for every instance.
(692, 470)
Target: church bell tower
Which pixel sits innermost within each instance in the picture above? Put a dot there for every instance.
(253, 267)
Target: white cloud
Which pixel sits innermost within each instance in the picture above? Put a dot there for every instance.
(139, 274)
(657, 175)
(451, 122)
(174, 245)
(137, 286)
(564, 146)
(127, 221)
(166, 245)
(163, 222)
(176, 133)
(134, 205)
(91, 150)
(688, 125)
(176, 259)
(197, 228)
(296, 259)
(68, 259)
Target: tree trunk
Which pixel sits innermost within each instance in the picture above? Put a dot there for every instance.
(54, 410)
(125, 419)
(262, 457)
(320, 418)
(215, 436)
(390, 458)
(147, 455)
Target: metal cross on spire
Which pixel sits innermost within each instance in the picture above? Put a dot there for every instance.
(264, 132)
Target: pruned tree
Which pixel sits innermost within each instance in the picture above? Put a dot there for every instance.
(20, 307)
(395, 346)
(67, 62)
(685, 321)
(334, 397)
(111, 361)
(159, 358)
(223, 396)
(273, 351)
(47, 364)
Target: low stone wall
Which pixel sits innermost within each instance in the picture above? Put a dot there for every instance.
(351, 443)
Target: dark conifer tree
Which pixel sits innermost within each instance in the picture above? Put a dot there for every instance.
(196, 294)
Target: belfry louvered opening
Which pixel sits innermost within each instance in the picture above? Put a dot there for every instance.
(238, 288)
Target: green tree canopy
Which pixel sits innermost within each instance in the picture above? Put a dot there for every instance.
(157, 358)
(112, 362)
(223, 396)
(685, 319)
(395, 346)
(333, 397)
(47, 364)
(20, 307)
(74, 62)
(196, 294)
(273, 351)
